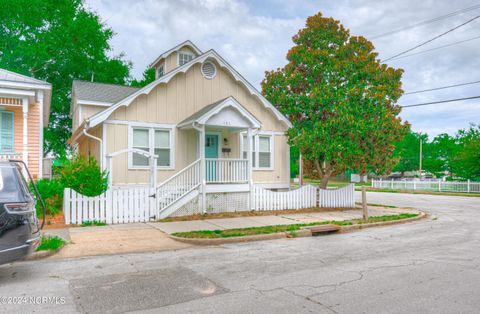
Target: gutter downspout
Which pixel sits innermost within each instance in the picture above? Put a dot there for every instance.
(96, 139)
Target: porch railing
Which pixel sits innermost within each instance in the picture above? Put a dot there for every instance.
(7, 156)
(226, 170)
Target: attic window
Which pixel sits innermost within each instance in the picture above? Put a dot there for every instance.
(160, 70)
(209, 70)
(184, 57)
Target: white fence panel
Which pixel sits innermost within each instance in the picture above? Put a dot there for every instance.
(338, 198)
(433, 185)
(114, 206)
(304, 197)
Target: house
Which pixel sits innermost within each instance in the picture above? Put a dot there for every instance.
(192, 125)
(24, 111)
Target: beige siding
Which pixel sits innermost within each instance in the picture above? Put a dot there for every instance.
(171, 61)
(171, 103)
(89, 147)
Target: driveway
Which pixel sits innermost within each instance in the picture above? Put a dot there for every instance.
(428, 266)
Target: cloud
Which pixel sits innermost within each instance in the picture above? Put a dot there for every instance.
(254, 36)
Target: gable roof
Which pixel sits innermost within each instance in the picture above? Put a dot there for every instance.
(187, 43)
(88, 92)
(211, 54)
(202, 115)
(6, 75)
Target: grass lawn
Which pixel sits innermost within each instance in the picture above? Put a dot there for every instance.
(89, 223)
(241, 232)
(370, 189)
(50, 243)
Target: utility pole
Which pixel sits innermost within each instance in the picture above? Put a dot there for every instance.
(420, 170)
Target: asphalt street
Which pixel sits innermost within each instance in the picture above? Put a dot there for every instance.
(428, 266)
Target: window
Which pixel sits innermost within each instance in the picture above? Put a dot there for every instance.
(262, 155)
(245, 149)
(153, 141)
(140, 141)
(6, 131)
(184, 57)
(160, 70)
(162, 147)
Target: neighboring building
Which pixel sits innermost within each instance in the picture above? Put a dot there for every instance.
(24, 111)
(198, 111)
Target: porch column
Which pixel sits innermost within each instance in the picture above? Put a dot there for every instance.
(249, 158)
(202, 167)
(25, 130)
(40, 132)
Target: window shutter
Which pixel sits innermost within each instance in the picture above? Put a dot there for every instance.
(6, 131)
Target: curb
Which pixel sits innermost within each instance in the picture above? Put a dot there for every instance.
(295, 234)
(345, 229)
(41, 254)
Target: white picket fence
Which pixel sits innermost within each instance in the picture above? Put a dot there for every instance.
(433, 185)
(304, 197)
(114, 206)
(343, 197)
(135, 204)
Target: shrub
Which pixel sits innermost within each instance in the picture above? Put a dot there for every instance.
(50, 243)
(51, 192)
(83, 175)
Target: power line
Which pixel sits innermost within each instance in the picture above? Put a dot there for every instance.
(439, 88)
(440, 102)
(436, 19)
(432, 39)
(436, 48)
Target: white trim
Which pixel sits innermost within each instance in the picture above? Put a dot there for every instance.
(257, 152)
(9, 84)
(214, 70)
(94, 103)
(17, 92)
(25, 107)
(228, 102)
(151, 141)
(162, 64)
(219, 188)
(40, 134)
(104, 147)
(103, 115)
(185, 53)
(142, 124)
(174, 49)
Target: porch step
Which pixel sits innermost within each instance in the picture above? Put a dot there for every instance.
(328, 228)
(172, 207)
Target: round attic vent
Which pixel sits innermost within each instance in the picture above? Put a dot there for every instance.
(209, 70)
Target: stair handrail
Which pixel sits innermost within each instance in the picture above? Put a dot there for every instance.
(178, 174)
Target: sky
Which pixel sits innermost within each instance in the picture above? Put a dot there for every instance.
(254, 36)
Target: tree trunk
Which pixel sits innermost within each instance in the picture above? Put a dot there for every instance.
(324, 172)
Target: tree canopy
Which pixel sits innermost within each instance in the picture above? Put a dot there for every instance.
(58, 41)
(340, 98)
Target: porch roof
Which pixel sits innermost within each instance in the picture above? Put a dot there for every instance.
(227, 112)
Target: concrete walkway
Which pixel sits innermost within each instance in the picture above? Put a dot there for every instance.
(261, 221)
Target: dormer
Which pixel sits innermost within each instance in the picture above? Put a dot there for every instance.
(175, 57)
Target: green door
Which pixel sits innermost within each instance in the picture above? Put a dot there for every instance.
(211, 152)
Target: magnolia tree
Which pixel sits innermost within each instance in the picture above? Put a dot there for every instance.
(340, 98)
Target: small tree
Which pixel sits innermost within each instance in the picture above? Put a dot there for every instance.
(466, 161)
(340, 98)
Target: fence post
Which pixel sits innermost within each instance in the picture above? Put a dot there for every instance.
(414, 184)
(391, 184)
(364, 203)
(66, 205)
(439, 185)
(468, 186)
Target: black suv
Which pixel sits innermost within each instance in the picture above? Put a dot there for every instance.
(19, 227)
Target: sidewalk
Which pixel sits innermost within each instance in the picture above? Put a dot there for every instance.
(150, 237)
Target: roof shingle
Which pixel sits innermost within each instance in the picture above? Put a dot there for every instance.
(101, 92)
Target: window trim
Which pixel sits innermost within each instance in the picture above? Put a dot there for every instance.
(256, 150)
(185, 53)
(151, 142)
(12, 114)
(162, 66)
